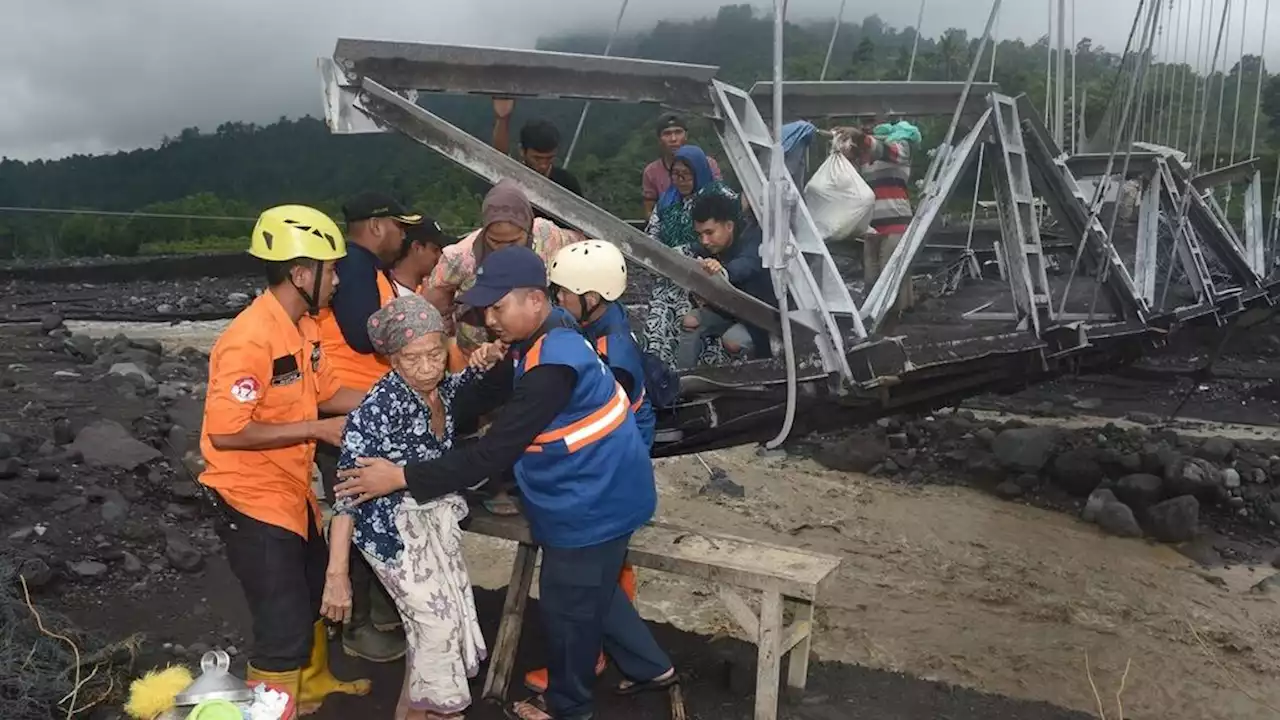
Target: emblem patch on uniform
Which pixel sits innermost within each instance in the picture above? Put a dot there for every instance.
(315, 357)
(245, 389)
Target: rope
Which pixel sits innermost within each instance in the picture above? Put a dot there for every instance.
(1048, 70)
(1222, 83)
(1262, 73)
(1204, 110)
(1187, 76)
(915, 42)
(586, 106)
(1197, 83)
(1095, 205)
(1075, 112)
(1166, 79)
(835, 31)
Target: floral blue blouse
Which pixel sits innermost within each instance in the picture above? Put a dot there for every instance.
(394, 423)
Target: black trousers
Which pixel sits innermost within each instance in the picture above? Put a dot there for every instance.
(358, 568)
(283, 580)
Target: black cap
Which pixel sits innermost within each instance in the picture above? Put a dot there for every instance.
(505, 270)
(670, 120)
(369, 205)
(428, 231)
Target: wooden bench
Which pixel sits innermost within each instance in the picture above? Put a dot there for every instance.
(777, 572)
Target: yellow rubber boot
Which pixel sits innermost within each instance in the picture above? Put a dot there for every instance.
(288, 680)
(317, 682)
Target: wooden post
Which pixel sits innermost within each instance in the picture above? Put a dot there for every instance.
(798, 661)
(769, 659)
(504, 648)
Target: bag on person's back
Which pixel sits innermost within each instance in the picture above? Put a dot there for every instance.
(839, 200)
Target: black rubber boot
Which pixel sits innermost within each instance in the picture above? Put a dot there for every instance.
(359, 636)
(382, 610)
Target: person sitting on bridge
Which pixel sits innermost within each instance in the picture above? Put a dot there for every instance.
(656, 177)
(269, 381)
(567, 425)
(729, 249)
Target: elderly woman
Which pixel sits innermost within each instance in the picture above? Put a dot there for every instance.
(672, 225)
(413, 548)
(507, 220)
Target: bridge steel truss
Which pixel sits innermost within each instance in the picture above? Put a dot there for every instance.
(852, 372)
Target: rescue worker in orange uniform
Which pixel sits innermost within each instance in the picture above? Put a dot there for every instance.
(269, 382)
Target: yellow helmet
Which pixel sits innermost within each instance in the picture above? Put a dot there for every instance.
(289, 232)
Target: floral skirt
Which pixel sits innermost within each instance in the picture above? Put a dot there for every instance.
(668, 305)
(431, 588)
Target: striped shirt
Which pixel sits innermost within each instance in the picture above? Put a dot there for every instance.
(887, 169)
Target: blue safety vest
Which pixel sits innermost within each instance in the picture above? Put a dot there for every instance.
(587, 479)
(612, 335)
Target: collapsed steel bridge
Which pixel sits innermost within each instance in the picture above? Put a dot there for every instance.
(847, 369)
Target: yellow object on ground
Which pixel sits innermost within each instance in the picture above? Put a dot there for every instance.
(318, 682)
(154, 693)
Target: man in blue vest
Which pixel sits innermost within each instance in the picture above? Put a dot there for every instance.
(585, 476)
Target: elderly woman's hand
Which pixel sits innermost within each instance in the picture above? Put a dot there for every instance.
(335, 603)
(370, 478)
(488, 355)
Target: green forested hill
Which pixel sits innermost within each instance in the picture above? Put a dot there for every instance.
(236, 169)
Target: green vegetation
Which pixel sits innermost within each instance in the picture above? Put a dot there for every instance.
(239, 168)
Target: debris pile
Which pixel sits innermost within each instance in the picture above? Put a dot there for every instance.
(1131, 481)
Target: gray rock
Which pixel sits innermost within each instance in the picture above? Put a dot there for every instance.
(1140, 490)
(107, 443)
(81, 348)
(986, 435)
(1174, 520)
(36, 572)
(48, 474)
(1097, 500)
(164, 308)
(1192, 476)
(150, 345)
(1087, 404)
(858, 453)
(1117, 519)
(62, 432)
(132, 564)
(87, 568)
(1230, 478)
(236, 299)
(10, 468)
(1267, 585)
(720, 484)
(1259, 476)
(50, 322)
(182, 554)
(22, 533)
(171, 390)
(133, 372)
(1025, 449)
(1077, 472)
(1009, 490)
(1144, 418)
(8, 448)
(68, 503)
(1273, 513)
(184, 490)
(114, 508)
(1216, 449)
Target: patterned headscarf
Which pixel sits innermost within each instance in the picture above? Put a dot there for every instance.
(402, 321)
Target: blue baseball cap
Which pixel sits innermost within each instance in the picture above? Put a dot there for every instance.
(505, 270)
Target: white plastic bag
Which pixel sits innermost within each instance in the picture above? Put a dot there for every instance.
(839, 200)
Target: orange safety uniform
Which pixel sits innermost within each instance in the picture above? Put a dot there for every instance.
(266, 369)
(359, 371)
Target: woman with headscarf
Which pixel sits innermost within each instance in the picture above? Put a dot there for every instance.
(672, 225)
(413, 548)
(507, 221)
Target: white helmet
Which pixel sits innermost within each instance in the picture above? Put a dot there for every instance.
(587, 266)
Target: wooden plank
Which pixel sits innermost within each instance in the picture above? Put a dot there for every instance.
(740, 611)
(769, 657)
(714, 557)
(799, 642)
(504, 648)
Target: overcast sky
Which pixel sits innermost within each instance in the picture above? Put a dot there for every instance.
(91, 76)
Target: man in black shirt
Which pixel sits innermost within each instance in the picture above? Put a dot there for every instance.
(539, 145)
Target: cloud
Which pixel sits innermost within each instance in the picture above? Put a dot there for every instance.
(89, 76)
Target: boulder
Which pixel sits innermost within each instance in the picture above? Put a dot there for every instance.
(133, 372)
(1025, 449)
(1097, 500)
(81, 348)
(36, 572)
(107, 443)
(87, 568)
(1174, 520)
(149, 345)
(1117, 519)
(10, 468)
(114, 507)
(858, 453)
(62, 432)
(50, 322)
(1009, 490)
(1216, 449)
(1192, 476)
(1077, 471)
(1140, 490)
(182, 554)
(1230, 478)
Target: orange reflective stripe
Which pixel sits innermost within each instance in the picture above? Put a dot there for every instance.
(532, 357)
(591, 428)
(639, 401)
(602, 345)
